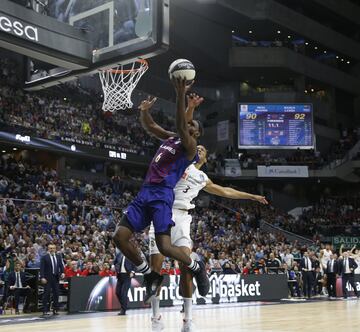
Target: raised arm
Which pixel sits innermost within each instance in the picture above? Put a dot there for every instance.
(182, 128)
(228, 192)
(148, 123)
(341, 249)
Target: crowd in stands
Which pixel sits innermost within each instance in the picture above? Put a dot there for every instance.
(80, 121)
(79, 218)
(330, 216)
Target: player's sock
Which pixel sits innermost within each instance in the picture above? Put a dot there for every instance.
(194, 266)
(187, 309)
(155, 306)
(143, 268)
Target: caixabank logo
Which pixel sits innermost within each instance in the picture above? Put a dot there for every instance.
(18, 28)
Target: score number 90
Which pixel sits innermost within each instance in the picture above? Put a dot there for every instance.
(251, 116)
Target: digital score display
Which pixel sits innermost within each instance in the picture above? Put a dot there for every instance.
(275, 126)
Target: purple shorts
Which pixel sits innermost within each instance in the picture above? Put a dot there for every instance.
(153, 203)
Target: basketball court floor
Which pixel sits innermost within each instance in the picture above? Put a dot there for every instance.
(254, 317)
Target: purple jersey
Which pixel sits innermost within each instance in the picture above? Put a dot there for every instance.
(169, 164)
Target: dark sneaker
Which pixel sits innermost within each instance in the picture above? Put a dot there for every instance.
(202, 280)
(152, 282)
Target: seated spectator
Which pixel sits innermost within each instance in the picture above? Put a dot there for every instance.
(273, 264)
(88, 271)
(73, 271)
(167, 269)
(106, 272)
(293, 282)
(18, 285)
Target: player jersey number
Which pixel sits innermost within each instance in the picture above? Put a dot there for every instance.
(186, 190)
(158, 157)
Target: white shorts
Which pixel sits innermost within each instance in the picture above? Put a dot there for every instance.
(180, 233)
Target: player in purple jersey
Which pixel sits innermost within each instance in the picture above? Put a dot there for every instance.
(155, 200)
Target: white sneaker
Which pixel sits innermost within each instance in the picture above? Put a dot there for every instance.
(157, 324)
(188, 326)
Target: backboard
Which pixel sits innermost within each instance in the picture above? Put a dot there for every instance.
(119, 30)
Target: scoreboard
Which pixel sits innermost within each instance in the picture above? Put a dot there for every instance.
(275, 126)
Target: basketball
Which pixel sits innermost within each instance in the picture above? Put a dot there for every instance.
(182, 68)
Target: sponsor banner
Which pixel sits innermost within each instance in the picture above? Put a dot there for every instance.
(339, 292)
(223, 131)
(95, 293)
(346, 241)
(232, 168)
(283, 171)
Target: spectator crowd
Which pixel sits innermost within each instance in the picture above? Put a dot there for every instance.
(37, 208)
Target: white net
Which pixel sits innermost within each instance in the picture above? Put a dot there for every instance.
(119, 83)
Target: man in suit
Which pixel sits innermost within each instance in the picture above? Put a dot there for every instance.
(332, 270)
(347, 266)
(18, 285)
(307, 269)
(51, 270)
(124, 272)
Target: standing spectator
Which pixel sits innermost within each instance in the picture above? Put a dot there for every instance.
(51, 270)
(347, 267)
(288, 258)
(332, 270)
(307, 268)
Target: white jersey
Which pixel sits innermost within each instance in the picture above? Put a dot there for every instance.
(188, 187)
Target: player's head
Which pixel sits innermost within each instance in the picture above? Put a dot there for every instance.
(202, 152)
(195, 128)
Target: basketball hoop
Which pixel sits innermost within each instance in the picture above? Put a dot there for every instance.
(119, 83)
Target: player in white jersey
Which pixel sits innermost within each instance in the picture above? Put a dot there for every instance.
(187, 189)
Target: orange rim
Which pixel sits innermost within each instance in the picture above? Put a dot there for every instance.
(127, 71)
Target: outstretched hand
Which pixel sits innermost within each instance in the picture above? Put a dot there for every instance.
(260, 199)
(145, 105)
(194, 101)
(181, 85)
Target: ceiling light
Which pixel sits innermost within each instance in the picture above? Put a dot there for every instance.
(342, 60)
(315, 47)
(279, 31)
(348, 62)
(337, 57)
(325, 52)
(306, 91)
(306, 43)
(233, 31)
(250, 31)
(289, 37)
(3, 151)
(65, 99)
(14, 149)
(312, 90)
